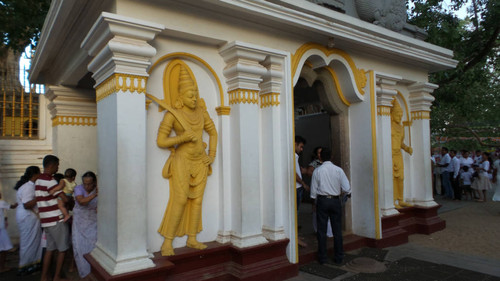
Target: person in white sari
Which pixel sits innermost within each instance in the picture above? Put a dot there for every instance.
(483, 184)
(30, 248)
(496, 180)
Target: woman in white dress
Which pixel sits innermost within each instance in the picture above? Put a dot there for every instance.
(30, 232)
(496, 179)
(483, 184)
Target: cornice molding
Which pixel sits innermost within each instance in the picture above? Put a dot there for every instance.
(352, 31)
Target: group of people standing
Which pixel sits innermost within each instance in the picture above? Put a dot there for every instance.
(42, 215)
(471, 174)
(329, 188)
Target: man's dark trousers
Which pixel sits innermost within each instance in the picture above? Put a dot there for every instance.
(329, 208)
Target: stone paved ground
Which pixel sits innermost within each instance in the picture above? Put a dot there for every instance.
(473, 229)
(467, 249)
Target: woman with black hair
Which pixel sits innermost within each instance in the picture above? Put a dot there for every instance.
(30, 232)
(84, 222)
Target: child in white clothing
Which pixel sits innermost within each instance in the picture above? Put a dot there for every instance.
(5, 243)
(466, 179)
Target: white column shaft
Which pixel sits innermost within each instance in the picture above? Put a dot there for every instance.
(384, 153)
(224, 234)
(246, 220)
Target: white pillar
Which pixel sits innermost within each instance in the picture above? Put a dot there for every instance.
(224, 152)
(74, 122)
(420, 107)
(385, 96)
(121, 55)
(243, 74)
(272, 166)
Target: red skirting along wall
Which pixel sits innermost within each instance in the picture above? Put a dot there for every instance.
(217, 262)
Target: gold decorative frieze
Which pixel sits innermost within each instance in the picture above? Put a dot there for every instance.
(244, 96)
(223, 110)
(416, 115)
(121, 82)
(74, 121)
(383, 110)
(269, 99)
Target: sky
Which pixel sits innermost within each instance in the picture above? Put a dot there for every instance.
(462, 13)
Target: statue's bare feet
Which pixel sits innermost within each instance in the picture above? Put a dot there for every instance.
(192, 243)
(167, 249)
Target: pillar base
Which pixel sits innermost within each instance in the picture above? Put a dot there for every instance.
(422, 220)
(392, 232)
(217, 262)
(410, 220)
(119, 267)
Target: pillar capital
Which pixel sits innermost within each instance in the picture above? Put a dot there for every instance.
(420, 96)
(120, 45)
(71, 106)
(385, 91)
(272, 80)
(243, 70)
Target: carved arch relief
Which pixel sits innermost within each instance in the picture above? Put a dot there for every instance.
(351, 79)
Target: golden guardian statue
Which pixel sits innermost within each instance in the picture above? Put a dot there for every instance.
(397, 139)
(188, 166)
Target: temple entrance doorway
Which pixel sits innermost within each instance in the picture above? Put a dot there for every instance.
(323, 124)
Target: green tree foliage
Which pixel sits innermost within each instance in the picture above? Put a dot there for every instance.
(468, 99)
(21, 22)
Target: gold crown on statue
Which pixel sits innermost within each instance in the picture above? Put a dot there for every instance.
(185, 81)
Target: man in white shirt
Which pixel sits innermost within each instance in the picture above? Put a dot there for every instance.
(455, 166)
(436, 172)
(466, 160)
(445, 172)
(300, 185)
(327, 185)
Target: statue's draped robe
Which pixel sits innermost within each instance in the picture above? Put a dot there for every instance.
(397, 137)
(186, 171)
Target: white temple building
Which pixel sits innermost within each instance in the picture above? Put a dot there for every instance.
(267, 71)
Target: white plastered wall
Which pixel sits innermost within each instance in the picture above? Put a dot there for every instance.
(76, 147)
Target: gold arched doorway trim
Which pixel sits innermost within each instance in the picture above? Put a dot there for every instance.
(359, 74)
(408, 121)
(337, 86)
(194, 58)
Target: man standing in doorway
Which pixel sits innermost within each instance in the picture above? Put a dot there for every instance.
(327, 185)
(300, 185)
